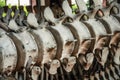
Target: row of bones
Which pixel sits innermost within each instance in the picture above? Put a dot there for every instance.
(49, 44)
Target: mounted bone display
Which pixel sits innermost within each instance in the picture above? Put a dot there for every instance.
(55, 43)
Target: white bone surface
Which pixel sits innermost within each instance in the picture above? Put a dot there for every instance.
(12, 25)
(35, 72)
(44, 35)
(66, 36)
(98, 3)
(31, 19)
(64, 32)
(82, 5)
(48, 43)
(29, 43)
(8, 51)
(97, 27)
(53, 66)
(114, 24)
(48, 14)
(81, 29)
(67, 9)
(71, 63)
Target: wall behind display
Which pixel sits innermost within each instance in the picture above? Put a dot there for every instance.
(25, 2)
(11, 2)
(18, 2)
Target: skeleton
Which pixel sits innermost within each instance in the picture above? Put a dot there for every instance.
(50, 46)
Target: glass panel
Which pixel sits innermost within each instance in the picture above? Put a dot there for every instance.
(12, 2)
(25, 2)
